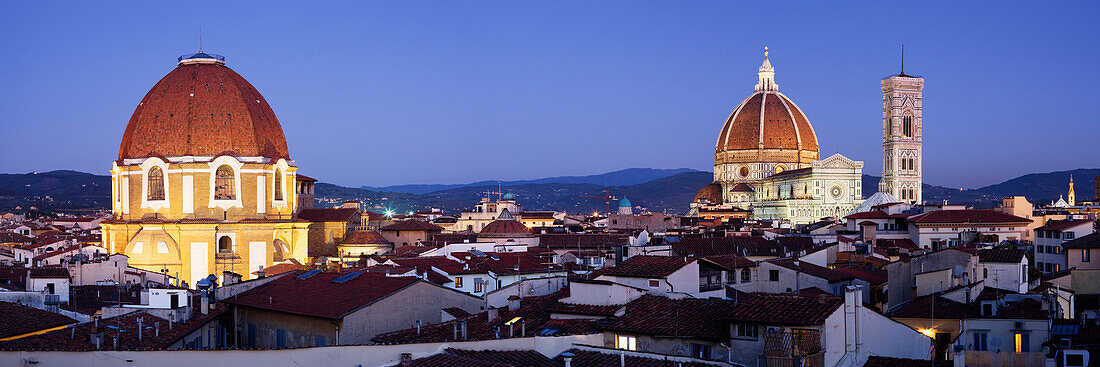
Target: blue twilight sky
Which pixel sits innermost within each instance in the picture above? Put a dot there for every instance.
(373, 93)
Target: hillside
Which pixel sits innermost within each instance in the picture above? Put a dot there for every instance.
(71, 190)
(626, 177)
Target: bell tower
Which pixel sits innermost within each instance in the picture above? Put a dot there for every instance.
(902, 124)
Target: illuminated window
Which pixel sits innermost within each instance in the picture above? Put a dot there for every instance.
(278, 184)
(224, 185)
(1022, 343)
(458, 282)
(654, 283)
(155, 184)
(626, 342)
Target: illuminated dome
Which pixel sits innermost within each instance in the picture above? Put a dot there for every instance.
(767, 127)
(203, 108)
(711, 192)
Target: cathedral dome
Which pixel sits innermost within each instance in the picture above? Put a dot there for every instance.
(767, 120)
(203, 108)
(768, 126)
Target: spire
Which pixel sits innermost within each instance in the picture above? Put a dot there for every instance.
(902, 59)
(1072, 197)
(767, 75)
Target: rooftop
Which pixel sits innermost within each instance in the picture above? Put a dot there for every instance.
(320, 295)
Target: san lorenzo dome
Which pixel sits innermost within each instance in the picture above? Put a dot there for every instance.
(203, 108)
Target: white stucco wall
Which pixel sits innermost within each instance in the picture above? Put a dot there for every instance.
(365, 355)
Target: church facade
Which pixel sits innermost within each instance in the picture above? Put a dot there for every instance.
(767, 161)
(204, 183)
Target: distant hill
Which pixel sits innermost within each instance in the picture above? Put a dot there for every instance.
(55, 190)
(71, 190)
(626, 177)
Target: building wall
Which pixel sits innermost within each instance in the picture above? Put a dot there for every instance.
(365, 355)
(421, 301)
(923, 235)
(901, 274)
(1001, 343)
(670, 346)
(183, 241)
(1007, 276)
(300, 331)
(60, 286)
(789, 280)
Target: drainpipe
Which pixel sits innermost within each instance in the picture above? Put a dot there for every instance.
(729, 350)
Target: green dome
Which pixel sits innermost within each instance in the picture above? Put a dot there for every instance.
(509, 196)
(625, 203)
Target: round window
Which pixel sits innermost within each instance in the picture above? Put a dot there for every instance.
(779, 169)
(744, 171)
(836, 192)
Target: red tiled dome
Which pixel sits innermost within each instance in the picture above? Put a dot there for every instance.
(711, 192)
(203, 108)
(783, 125)
(505, 226)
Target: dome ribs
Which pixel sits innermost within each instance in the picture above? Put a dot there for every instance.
(204, 110)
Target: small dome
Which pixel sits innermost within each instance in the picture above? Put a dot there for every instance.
(711, 193)
(505, 226)
(508, 197)
(624, 203)
(203, 108)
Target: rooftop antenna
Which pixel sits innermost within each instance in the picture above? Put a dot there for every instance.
(200, 38)
(902, 59)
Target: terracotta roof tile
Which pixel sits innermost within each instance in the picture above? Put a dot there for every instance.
(644, 266)
(203, 110)
(411, 225)
(1001, 255)
(319, 296)
(807, 268)
(77, 337)
(1062, 225)
(969, 216)
(365, 238)
(17, 319)
(1090, 241)
(327, 214)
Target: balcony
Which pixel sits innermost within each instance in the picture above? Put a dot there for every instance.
(709, 286)
(227, 258)
(796, 348)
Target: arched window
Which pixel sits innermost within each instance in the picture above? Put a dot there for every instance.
(224, 186)
(278, 184)
(225, 244)
(155, 184)
(907, 126)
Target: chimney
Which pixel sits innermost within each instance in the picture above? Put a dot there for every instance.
(205, 305)
(568, 358)
(406, 359)
(464, 330)
(96, 337)
(156, 329)
(140, 328)
(493, 313)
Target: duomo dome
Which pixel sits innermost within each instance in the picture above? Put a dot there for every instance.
(766, 134)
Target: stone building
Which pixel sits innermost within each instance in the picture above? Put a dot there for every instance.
(204, 182)
(767, 160)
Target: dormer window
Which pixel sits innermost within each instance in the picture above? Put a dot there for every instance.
(224, 184)
(155, 184)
